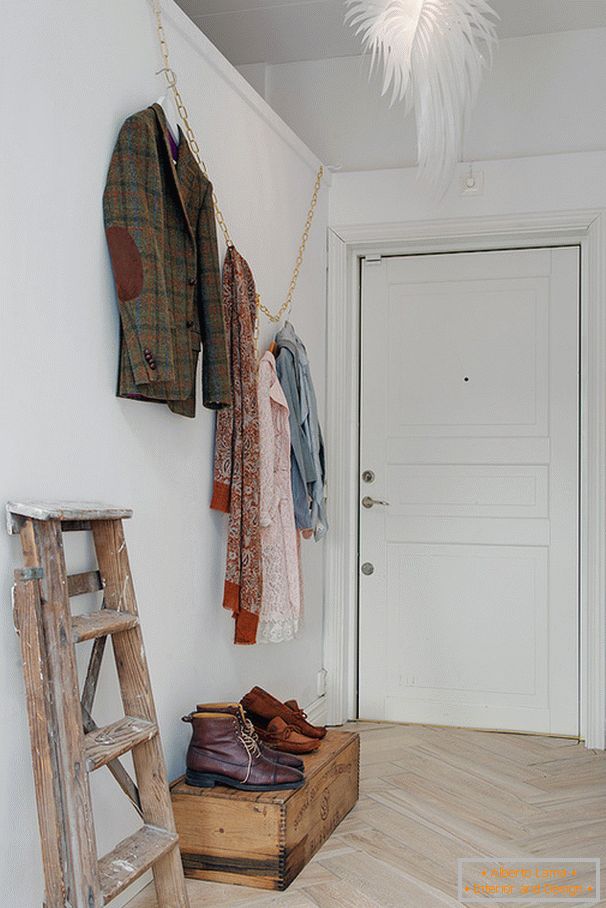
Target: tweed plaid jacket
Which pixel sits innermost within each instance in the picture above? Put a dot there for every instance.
(162, 240)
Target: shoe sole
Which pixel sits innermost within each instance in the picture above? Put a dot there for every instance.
(303, 750)
(278, 746)
(210, 779)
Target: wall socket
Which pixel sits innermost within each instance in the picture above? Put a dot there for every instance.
(321, 682)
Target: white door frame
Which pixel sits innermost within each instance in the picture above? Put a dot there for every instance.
(346, 246)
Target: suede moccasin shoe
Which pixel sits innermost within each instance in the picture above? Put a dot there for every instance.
(319, 729)
(259, 704)
(280, 736)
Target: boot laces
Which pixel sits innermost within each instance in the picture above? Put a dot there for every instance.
(252, 750)
(250, 730)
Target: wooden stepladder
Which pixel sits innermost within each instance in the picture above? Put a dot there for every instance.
(67, 745)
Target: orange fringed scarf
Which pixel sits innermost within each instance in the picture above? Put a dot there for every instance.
(237, 458)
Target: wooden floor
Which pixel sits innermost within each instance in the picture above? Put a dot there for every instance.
(429, 796)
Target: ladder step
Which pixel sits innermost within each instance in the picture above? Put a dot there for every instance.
(68, 510)
(105, 744)
(100, 624)
(132, 857)
(88, 582)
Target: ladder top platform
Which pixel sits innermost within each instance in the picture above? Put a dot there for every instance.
(64, 510)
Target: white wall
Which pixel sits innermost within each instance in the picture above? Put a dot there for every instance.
(548, 183)
(544, 95)
(71, 72)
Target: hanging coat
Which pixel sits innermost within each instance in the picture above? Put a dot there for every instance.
(236, 470)
(160, 227)
(281, 603)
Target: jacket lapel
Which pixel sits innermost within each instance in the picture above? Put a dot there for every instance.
(188, 170)
(182, 175)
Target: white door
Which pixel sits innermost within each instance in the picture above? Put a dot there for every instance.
(470, 425)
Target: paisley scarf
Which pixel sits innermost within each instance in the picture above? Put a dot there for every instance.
(237, 458)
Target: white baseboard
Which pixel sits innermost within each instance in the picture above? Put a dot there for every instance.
(317, 712)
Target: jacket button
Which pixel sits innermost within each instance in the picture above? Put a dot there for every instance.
(189, 324)
(192, 281)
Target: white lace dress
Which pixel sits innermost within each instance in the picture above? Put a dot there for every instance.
(281, 604)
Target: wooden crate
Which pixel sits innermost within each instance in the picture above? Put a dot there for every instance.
(265, 839)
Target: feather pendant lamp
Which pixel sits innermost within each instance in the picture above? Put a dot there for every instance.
(432, 53)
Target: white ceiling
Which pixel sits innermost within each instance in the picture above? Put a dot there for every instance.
(281, 31)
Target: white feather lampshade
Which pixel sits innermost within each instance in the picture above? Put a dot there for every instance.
(432, 53)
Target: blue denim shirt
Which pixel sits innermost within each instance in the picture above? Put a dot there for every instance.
(308, 467)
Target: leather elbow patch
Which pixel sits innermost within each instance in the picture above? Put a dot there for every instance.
(126, 263)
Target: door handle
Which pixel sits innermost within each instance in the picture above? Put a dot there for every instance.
(368, 502)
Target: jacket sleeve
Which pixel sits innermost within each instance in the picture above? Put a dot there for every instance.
(216, 380)
(285, 370)
(133, 214)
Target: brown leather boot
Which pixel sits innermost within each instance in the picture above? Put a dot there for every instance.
(222, 753)
(235, 709)
(259, 704)
(281, 736)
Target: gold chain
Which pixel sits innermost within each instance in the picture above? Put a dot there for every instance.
(171, 80)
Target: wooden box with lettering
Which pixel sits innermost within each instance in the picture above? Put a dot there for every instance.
(265, 839)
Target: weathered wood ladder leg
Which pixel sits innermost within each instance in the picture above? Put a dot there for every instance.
(42, 543)
(27, 616)
(148, 757)
(63, 751)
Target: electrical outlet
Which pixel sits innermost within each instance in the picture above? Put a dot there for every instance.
(472, 182)
(321, 682)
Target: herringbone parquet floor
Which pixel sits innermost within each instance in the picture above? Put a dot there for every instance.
(429, 796)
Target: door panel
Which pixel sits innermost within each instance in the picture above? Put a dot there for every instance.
(469, 420)
(471, 331)
(469, 491)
